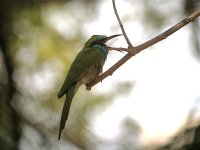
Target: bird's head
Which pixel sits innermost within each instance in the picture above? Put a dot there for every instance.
(99, 40)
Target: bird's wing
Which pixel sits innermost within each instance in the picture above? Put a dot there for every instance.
(80, 66)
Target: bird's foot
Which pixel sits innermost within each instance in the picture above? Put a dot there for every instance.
(88, 87)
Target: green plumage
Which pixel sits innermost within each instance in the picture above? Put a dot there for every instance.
(87, 65)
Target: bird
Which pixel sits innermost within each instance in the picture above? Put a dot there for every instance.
(87, 65)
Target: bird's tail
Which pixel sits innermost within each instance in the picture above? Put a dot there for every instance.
(65, 112)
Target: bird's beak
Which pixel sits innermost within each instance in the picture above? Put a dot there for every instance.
(111, 37)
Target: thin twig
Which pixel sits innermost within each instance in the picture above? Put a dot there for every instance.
(121, 25)
(143, 46)
(120, 49)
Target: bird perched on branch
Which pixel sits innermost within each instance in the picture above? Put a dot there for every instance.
(87, 65)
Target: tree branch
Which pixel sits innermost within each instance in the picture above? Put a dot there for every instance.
(132, 51)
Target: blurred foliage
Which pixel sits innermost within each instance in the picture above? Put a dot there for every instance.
(38, 54)
(34, 59)
(188, 136)
(189, 139)
(191, 6)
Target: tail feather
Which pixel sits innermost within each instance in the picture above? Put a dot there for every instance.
(65, 112)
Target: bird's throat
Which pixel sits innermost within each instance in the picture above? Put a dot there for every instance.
(103, 49)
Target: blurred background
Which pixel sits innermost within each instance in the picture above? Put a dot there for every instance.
(151, 102)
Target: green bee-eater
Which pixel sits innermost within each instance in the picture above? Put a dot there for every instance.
(87, 65)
